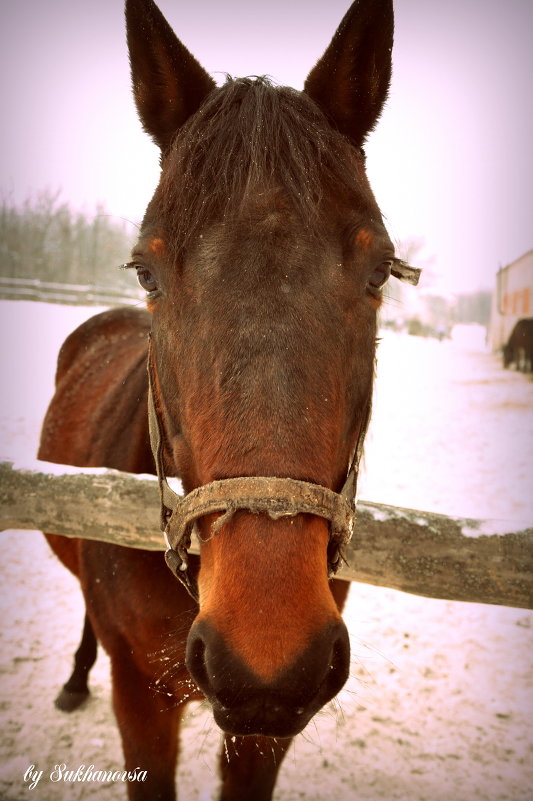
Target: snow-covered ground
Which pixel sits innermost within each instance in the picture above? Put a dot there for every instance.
(440, 701)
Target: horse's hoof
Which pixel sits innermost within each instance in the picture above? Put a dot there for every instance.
(68, 701)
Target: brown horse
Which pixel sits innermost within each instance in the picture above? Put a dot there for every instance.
(263, 254)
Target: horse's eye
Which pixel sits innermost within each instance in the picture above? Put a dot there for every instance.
(146, 279)
(380, 276)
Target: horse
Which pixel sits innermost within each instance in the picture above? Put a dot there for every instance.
(518, 349)
(263, 255)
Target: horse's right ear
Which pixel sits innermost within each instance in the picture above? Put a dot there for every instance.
(351, 81)
(168, 83)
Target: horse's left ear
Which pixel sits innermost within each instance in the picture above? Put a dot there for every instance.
(351, 80)
(168, 82)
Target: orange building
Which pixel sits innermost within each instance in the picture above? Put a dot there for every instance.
(513, 299)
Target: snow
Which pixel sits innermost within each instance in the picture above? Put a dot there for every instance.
(439, 702)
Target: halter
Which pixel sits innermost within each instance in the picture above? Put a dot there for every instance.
(276, 497)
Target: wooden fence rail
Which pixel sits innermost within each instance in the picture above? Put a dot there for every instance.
(71, 294)
(417, 552)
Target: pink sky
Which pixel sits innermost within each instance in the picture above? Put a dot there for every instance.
(450, 162)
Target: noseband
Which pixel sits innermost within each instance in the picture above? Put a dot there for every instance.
(276, 497)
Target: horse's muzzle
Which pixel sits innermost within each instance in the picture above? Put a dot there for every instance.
(243, 704)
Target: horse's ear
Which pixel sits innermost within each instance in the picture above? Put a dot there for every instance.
(351, 80)
(168, 83)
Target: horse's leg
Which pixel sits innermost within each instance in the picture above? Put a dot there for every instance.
(249, 767)
(76, 690)
(149, 725)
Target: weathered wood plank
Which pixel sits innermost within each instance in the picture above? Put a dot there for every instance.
(417, 552)
(437, 556)
(78, 294)
(89, 502)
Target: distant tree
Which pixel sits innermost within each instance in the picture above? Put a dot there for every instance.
(474, 307)
(45, 239)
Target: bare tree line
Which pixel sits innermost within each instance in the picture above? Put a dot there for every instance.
(45, 239)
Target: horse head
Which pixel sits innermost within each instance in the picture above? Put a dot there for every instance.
(263, 254)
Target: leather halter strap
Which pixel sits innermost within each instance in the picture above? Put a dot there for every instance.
(274, 496)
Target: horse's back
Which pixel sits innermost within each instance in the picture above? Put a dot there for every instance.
(98, 415)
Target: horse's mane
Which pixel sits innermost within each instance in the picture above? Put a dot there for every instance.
(249, 136)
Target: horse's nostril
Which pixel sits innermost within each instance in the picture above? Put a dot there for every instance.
(340, 657)
(339, 665)
(196, 662)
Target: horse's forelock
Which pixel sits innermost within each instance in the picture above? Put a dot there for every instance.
(247, 136)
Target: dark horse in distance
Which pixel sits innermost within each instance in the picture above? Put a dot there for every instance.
(263, 255)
